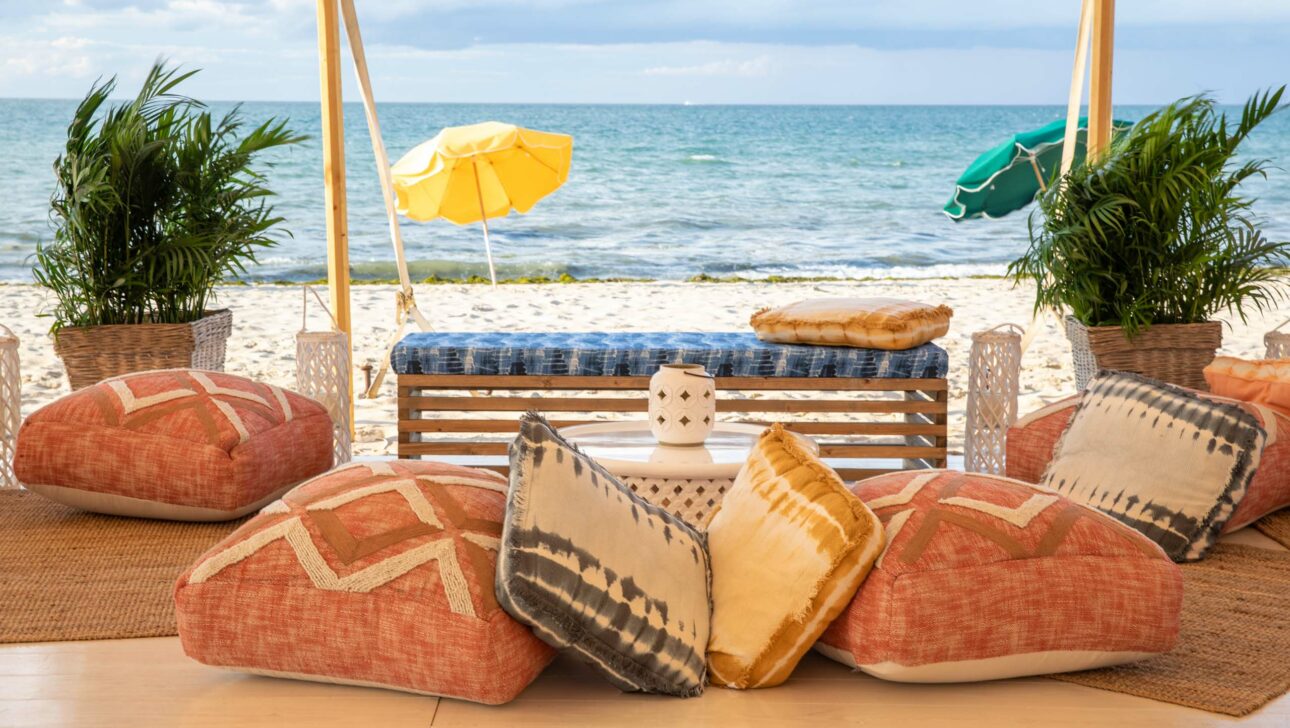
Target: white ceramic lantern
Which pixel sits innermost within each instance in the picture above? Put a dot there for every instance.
(682, 404)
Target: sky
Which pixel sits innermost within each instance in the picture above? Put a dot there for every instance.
(653, 51)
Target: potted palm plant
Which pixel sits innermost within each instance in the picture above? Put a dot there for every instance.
(1143, 247)
(157, 202)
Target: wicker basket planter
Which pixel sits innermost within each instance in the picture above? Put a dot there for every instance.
(1174, 353)
(94, 353)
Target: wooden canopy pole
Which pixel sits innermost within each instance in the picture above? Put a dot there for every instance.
(333, 148)
(1099, 93)
(1075, 99)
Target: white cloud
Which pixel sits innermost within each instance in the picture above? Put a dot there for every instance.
(946, 14)
(642, 50)
(205, 17)
(404, 53)
(753, 68)
(62, 56)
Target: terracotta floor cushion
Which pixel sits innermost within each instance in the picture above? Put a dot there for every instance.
(377, 574)
(175, 444)
(986, 578)
(1033, 438)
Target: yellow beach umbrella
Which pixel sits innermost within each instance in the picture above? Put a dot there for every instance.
(470, 173)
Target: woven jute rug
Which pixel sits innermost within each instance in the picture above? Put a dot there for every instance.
(1233, 655)
(70, 575)
(1276, 527)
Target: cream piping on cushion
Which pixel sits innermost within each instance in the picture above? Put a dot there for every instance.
(498, 486)
(123, 505)
(293, 531)
(989, 668)
(906, 494)
(406, 488)
(364, 580)
(1021, 516)
(891, 530)
(132, 404)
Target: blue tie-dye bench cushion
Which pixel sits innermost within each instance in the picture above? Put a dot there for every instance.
(726, 354)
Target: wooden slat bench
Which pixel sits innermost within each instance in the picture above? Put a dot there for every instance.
(460, 395)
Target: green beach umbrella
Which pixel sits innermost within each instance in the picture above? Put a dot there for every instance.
(1008, 177)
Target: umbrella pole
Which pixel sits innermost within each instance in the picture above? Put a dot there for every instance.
(483, 218)
(488, 250)
(1039, 176)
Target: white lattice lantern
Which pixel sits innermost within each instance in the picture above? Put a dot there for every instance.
(323, 373)
(994, 373)
(1277, 343)
(10, 405)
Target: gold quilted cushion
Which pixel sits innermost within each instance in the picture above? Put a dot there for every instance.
(789, 546)
(871, 323)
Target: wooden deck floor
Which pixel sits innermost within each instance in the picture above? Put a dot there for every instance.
(149, 682)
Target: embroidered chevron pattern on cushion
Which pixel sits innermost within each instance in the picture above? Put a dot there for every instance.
(182, 444)
(1160, 459)
(375, 573)
(599, 572)
(789, 546)
(984, 577)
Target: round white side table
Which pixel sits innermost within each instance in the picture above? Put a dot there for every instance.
(689, 482)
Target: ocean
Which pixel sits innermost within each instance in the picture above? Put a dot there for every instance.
(657, 192)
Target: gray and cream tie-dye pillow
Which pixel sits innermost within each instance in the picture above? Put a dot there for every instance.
(1158, 458)
(599, 572)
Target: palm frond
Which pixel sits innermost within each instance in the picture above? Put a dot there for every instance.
(156, 204)
(1156, 231)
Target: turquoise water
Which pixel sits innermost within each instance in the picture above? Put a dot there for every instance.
(655, 191)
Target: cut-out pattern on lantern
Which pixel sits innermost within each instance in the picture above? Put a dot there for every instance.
(1277, 343)
(994, 374)
(323, 373)
(10, 405)
(682, 404)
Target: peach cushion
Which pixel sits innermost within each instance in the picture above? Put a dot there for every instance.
(872, 323)
(376, 574)
(179, 444)
(1033, 438)
(985, 578)
(1266, 381)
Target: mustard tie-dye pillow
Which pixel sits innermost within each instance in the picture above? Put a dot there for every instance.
(789, 546)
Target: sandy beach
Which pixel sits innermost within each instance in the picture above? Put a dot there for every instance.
(267, 317)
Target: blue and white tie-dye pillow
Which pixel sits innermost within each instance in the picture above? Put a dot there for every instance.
(1160, 459)
(600, 573)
